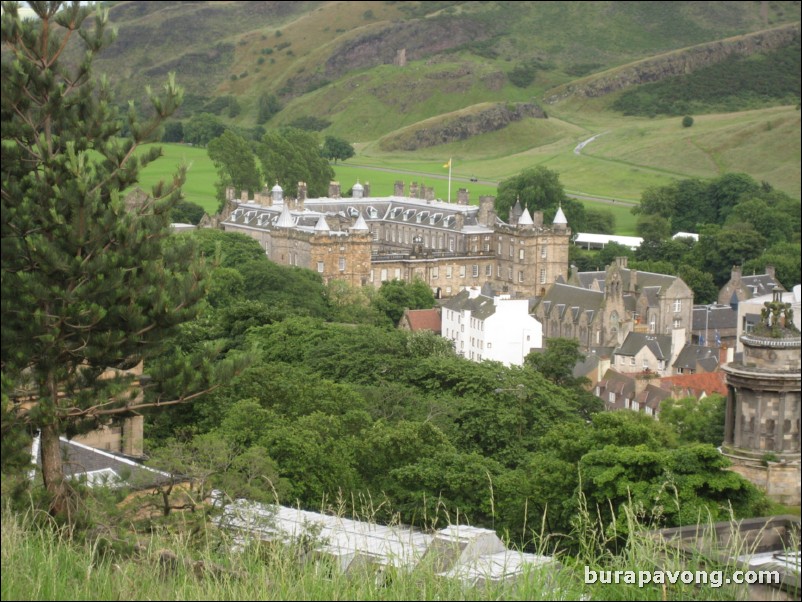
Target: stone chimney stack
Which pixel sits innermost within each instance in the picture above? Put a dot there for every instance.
(230, 193)
(459, 221)
(487, 211)
(537, 218)
(621, 262)
(398, 188)
(302, 192)
(366, 192)
(770, 271)
(413, 190)
(428, 193)
(334, 190)
(735, 275)
(462, 196)
(266, 200)
(243, 196)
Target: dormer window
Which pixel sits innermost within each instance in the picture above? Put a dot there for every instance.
(373, 213)
(422, 216)
(353, 211)
(408, 214)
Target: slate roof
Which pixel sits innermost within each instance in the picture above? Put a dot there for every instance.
(101, 467)
(760, 284)
(658, 344)
(562, 296)
(651, 396)
(618, 383)
(720, 317)
(481, 307)
(694, 357)
(644, 280)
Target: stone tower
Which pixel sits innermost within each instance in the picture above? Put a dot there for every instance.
(761, 429)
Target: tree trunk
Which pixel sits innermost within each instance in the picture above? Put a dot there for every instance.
(53, 471)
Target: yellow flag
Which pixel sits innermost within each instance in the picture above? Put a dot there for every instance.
(448, 164)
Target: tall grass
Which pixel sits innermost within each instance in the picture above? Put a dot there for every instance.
(42, 562)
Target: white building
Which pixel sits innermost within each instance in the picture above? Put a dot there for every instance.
(495, 328)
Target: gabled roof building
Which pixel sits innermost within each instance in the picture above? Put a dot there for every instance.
(368, 240)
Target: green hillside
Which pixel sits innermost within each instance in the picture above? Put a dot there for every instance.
(340, 61)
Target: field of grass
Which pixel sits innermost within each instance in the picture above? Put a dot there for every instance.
(40, 562)
(201, 174)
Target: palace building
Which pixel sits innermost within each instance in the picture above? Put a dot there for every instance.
(368, 240)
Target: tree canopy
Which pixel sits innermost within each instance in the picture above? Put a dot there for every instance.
(337, 149)
(87, 283)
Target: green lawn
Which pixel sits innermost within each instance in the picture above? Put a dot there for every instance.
(201, 175)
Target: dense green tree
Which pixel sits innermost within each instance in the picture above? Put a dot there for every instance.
(728, 190)
(557, 361)
(696, 420)
(770, 221)
(310, 123)
(289, 156)
(396, 295)
(202, 128)
(227, 249)
(600, 221)
(719, 249)
(607, 255)
(268, 106)
(235, 162)
(692, 206)
(701, 283)
(653, 228)
(173, 132)
(657, 200)
(337, 149)
(187, 212)
(86, 283)
(539, 189)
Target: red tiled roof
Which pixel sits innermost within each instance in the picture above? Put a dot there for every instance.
(423, 319)
(695, 384)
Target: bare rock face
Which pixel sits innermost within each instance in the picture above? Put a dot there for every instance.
(677, 63)
(461, 126)
(418, 38)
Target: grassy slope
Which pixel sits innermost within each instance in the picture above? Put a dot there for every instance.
(631, 153)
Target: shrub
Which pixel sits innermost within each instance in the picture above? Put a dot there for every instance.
(687, 121)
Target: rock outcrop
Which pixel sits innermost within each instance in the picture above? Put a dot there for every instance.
(460, 125)
(674, 63)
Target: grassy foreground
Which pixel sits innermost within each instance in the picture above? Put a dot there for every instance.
(40, 562)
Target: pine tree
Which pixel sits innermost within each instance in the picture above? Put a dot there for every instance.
(87, 282)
